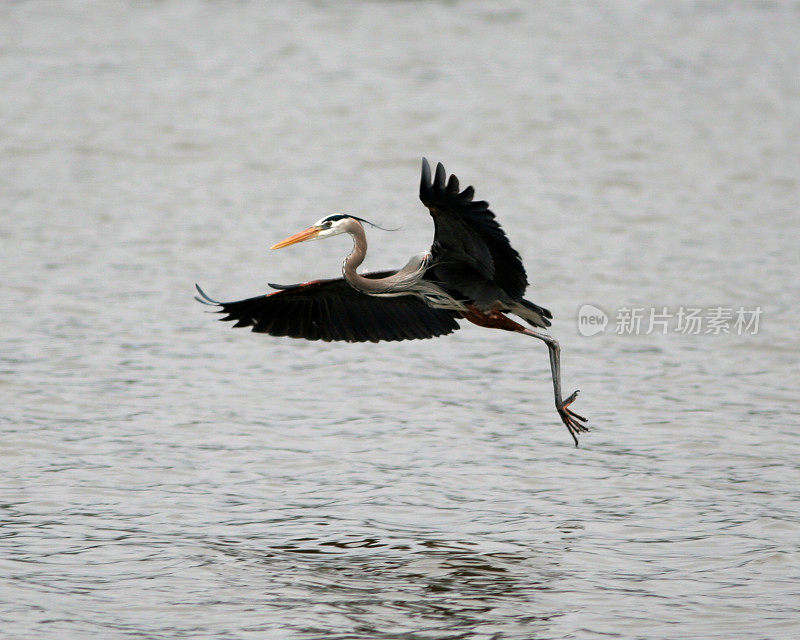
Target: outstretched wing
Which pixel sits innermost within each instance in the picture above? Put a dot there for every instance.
(332, 310)
(468, 242)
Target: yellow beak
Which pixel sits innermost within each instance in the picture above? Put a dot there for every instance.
(305, 234)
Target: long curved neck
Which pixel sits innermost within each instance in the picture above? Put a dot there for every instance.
(406, 280)
(356, 257)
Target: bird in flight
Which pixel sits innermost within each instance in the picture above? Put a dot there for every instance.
(471, 272)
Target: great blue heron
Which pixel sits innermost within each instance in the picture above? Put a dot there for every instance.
(470, 272)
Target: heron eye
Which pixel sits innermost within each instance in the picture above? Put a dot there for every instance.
(327, 224)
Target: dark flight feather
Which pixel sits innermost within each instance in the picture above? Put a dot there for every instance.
(470, 248)
(332, 310)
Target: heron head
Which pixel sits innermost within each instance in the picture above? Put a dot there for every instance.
(331, 225)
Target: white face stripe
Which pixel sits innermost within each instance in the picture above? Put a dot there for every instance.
(334, 229)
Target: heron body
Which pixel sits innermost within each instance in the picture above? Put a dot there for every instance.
(471, 272)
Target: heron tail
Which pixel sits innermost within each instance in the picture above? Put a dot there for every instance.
(532, 313)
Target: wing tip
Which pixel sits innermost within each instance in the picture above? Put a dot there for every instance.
(204, 298)
(425, 178)
(440, 177)
(438, 186)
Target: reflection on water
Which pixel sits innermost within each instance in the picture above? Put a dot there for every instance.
(164, 476)
(405, 586)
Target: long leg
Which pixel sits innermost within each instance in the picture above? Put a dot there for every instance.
(571, 419)
(496, 320)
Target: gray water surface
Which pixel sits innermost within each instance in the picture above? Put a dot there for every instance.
(164, 476)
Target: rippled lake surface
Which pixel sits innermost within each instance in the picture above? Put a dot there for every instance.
(164, 476)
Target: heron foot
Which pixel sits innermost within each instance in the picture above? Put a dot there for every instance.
(571, 419)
